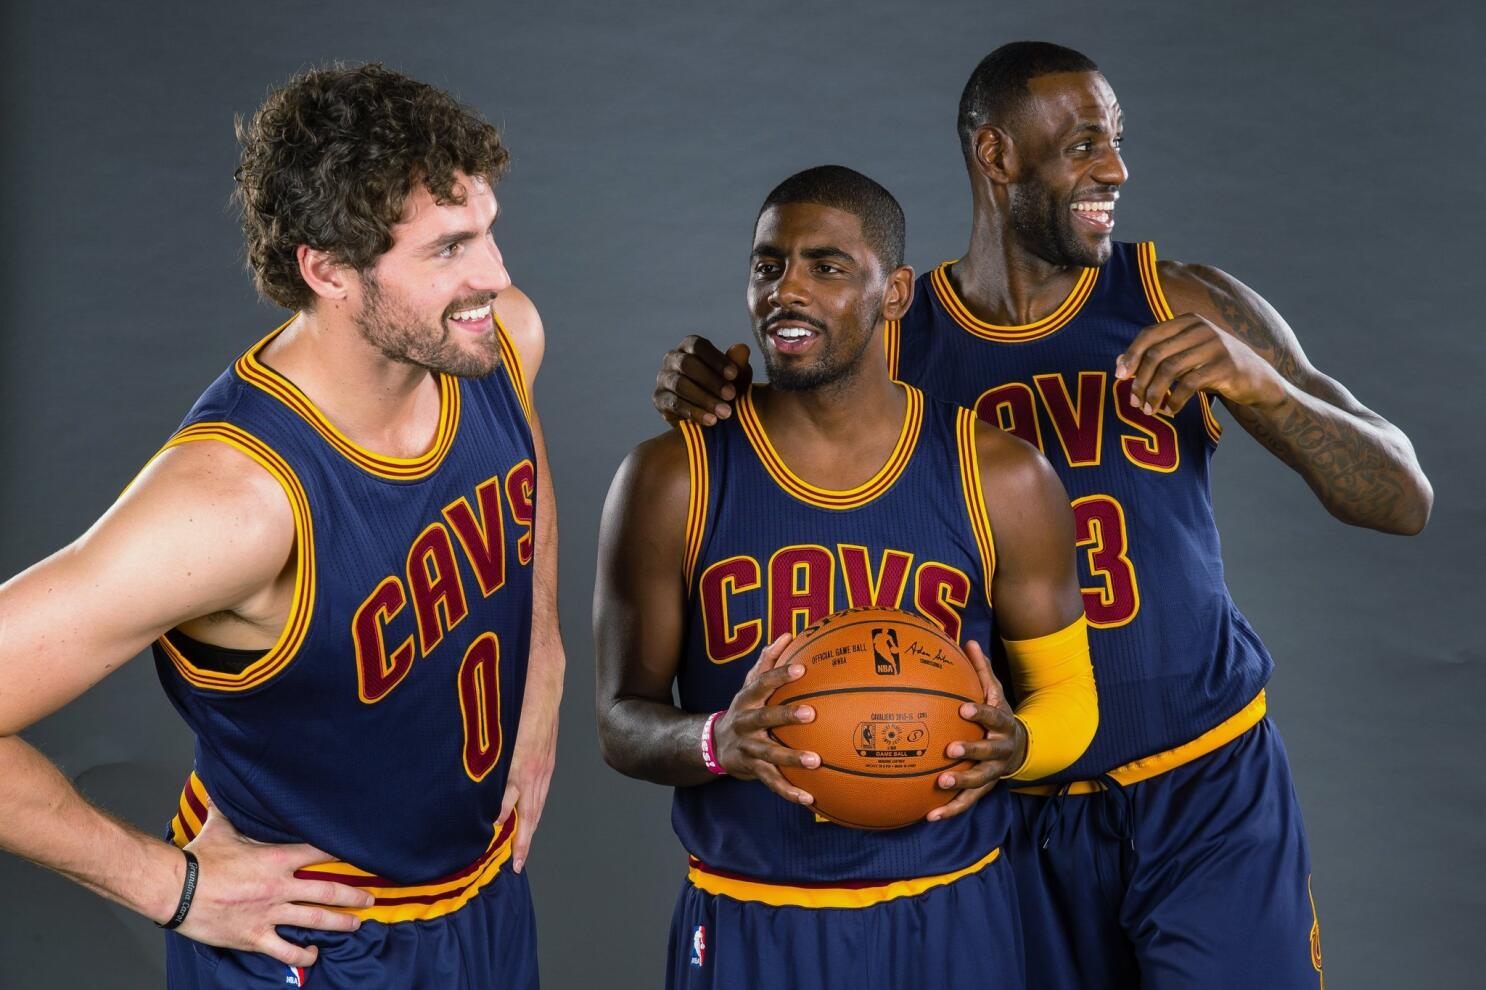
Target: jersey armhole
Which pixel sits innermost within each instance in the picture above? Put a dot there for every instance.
(696, 499)
(1150, 281)
(974, 492)
(511, 362)
(278, 657)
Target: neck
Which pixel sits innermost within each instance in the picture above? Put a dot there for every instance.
(378, 402)
(999, 279)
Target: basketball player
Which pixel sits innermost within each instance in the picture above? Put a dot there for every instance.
(344, 558)
(834, 487)
(1178, 858)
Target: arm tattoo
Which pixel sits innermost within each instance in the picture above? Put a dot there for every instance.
(1356, 467)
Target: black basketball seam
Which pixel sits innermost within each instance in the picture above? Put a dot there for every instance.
(884, 689)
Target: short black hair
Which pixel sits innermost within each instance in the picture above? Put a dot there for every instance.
(843, 188)
(997, 88)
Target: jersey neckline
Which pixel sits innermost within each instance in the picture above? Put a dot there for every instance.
(253, 371)
(827, 498)
(1023, 333)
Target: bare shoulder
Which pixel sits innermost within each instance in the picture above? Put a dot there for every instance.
(518, 314)
(1202, 289)
(657, 472)
(1231, 305)
(1013, 470)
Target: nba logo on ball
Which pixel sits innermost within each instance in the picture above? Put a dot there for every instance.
(699, 945)
(885, 646)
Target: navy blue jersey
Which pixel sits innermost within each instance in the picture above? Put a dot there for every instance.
(1173, 656)
(379, 728)
(768, 553)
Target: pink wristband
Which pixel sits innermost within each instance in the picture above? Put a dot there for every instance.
(709, 745)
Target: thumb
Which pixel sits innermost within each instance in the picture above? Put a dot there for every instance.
(216, 822)
(738, 355)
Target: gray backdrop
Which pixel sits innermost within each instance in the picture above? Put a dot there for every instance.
(1330, 156)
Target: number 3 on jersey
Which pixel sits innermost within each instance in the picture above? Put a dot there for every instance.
(1099, 529)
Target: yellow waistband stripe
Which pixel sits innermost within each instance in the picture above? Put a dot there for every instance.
(1054, 679)
(741, 888)
(1152, 766)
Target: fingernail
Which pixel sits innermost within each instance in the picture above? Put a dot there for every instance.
(804, 713)
(795, 670)
(810, 760)
(725, 411)
(967, 710)
(709, 420)
(956, 750)
(728, 392)
(518, 865)
(1134, 400)
(1147, 408)
(730, 372)
(1120, 366)
(946, 781)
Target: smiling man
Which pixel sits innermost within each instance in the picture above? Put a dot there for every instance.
(835, 488)
(1172, 853)
(346, 561)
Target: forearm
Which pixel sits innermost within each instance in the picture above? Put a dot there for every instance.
(654, 741)
(44, 819)
(1363, 470)
(1059, 705)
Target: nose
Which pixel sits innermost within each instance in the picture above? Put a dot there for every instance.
(490, 273)
(1110, 168)
(790, 290)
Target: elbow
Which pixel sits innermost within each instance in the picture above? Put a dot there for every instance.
(1418, 508)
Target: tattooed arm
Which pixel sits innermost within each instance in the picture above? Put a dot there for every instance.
(1228, 341)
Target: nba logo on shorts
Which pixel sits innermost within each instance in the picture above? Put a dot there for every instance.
(295, 977)
(699, 945)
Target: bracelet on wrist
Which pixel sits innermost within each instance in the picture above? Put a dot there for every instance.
(709, 745)
(188, 892)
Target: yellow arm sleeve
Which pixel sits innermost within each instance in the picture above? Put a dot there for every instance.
(1059, 707)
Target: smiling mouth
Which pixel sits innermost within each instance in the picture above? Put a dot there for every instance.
(791, 337)
(1097, 213)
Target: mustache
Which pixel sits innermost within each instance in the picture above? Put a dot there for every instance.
(469, 303)
(775, 319)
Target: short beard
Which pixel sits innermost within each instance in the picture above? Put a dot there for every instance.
(397, 333)
(831, 369)
(1046, 230)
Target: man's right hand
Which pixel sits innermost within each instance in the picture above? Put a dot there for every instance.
(742, 733)
(697, 382)
(246, 888)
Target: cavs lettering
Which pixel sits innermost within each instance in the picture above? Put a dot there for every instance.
(797, 588)
(1147, 546)
(769, 553)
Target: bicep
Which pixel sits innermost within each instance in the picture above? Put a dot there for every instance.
(1035, 586)
(639, 590)
(177, 545)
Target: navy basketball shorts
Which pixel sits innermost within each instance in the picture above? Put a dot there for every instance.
(490, 942)
(960, 930)
(1198, 877)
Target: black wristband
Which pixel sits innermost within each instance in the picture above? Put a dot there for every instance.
(188, 891)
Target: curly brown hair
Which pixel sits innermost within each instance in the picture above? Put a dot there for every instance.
(329, 161)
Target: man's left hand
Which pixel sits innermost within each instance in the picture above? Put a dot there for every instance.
(1188, 354)
(536, 749)
(1000, 751)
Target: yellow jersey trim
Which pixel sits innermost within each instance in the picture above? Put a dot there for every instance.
(392, 902)
(276, 659)
(1155, 297)
(511, 358)
(253, 371)
(696, 498)
(827, 498)
(1036, 330)
(1152, 766)
(975, 503)
(892, 342)
(822, 896)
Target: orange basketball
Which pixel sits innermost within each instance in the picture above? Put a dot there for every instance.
(886, 687)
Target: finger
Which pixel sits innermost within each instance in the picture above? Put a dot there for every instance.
(771, 778)
(1189, 385)
(327, 893)
(318, 918)
(755, 692)
(742, 371)
(961, 803)
(780, 756)
(988, 683)
(1141, 393)
(297, 855)
(287, 952)
(1176, 366)
(770, 717)
(990, 717)
(770, 657)
(764, 662)
(700, 386)
(526, 827)
(1127, 362)
(699, 347)
(674, 410)
(996, 748)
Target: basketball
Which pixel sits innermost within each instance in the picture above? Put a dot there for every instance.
(886, 687)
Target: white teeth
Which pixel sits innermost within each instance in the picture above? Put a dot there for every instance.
(1103, 207)
(472, 315)
(792, 333)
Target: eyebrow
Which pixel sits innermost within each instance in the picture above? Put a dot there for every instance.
(813, 254)
(459, 236)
